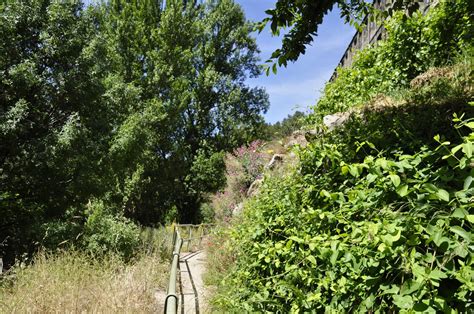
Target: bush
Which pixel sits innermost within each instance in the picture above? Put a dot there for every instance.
(104, 232)
(243, 167)
(385, 234)
(157, 241)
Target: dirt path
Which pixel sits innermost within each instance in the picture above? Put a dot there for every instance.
(192, 288)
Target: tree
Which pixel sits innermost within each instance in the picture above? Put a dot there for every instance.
(53, 126)
(189, 67)
(121, 109)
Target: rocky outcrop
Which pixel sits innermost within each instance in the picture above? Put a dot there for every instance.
(254, 187)
(311, 135)
(277, 159)
(237, 210)
(297, 138)
(333, 121)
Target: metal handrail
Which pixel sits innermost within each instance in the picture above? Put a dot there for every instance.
(171, 301)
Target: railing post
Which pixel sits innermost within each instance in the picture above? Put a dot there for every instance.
(173, 240)
(189, 236)
(202, 234)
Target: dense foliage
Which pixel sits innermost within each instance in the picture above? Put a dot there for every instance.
(378, 214)
(281, 129)
(243, 166)
(122, 109)
(382, 230)
(414, 44)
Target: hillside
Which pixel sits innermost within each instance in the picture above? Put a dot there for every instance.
(377, 214)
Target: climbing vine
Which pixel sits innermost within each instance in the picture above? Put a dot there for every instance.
(384, 234)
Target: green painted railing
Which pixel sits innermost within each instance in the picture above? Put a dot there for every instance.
(171, 302)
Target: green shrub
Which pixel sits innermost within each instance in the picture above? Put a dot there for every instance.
(386, 234)
(104, 232)
(157, 241)
(413, 45)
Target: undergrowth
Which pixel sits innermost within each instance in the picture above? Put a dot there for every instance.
(377, 217)
(73, 282)
(96, 280)
(384, 234)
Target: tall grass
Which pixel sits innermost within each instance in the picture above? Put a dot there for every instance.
(72, 281)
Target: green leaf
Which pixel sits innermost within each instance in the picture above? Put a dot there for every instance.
(312, 259)
(459, 213)
(443, 195)
(467, 183)
(354, 170)
(402, 190)
(403, 302)
(391, 238)
(296, 239)
(325, 193)
(371, 177)
(395, 179)
(470, 124)
(410, 286)
(437, 274)
(467, 149)
(392, 290)
(461, 232)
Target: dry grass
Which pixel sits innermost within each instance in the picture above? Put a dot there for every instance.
(70, 282)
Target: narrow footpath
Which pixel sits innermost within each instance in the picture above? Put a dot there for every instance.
(191, 285)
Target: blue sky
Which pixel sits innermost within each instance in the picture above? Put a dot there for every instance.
(298, 86)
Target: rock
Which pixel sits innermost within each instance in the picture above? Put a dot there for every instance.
(237, 210)
(276, 159)
(254, 187)
(333, 121)
(311, 135)
(297, 138)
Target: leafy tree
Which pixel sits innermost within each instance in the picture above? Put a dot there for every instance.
(287, 126)
(189, 69)
(53, 125)
(125, 106)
